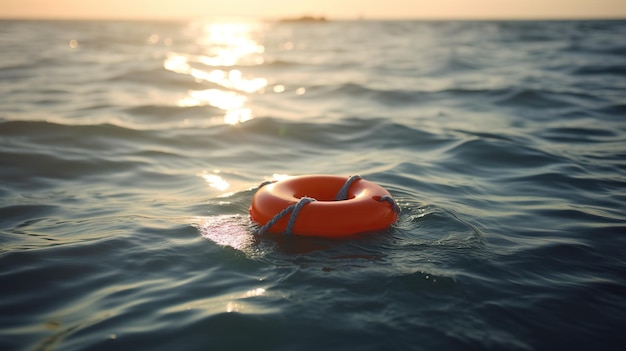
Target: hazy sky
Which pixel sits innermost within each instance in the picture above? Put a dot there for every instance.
(427, 9)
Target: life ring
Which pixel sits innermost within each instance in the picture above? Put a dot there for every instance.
(366, 206)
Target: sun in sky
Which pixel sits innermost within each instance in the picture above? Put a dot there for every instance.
(334, 9)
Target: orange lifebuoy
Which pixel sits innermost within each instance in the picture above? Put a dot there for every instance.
(367, 207)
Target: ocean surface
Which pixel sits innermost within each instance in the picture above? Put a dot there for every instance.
(130, 152)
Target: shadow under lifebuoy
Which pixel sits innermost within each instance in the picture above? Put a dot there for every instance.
(299, 245)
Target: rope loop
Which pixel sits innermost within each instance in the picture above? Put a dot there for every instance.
(391, 201)
(343, 192)
(294, 209)
(303, 201)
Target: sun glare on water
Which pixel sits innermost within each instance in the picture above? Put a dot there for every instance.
(222, 47)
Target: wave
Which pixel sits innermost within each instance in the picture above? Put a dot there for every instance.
(515, 97)
(58, 134)
(389, 97)
(161, 77)
(161, 112)
(16, 216)
(346, 134)
(578, 135)
(613, 70)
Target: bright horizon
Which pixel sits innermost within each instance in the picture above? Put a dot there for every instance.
(331, 9)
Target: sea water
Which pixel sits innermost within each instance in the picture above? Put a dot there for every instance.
(130, 151)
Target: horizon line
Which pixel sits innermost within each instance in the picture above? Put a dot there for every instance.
(326, 18)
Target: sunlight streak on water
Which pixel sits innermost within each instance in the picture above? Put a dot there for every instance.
(223, 45)
(228, 43)
(215, 181)
(232, 79)
(229, 101)
(225, 100)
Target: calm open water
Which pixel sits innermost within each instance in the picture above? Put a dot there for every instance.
(130, 151)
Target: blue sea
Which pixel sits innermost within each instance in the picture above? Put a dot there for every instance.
(130, 152)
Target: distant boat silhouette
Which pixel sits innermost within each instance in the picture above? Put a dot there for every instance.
(307, 19)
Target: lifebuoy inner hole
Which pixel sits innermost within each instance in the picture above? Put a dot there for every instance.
(321, 192)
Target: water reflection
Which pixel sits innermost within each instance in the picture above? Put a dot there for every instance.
(227, 44)
(222, 45)
(225, 100)
(215, 181)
